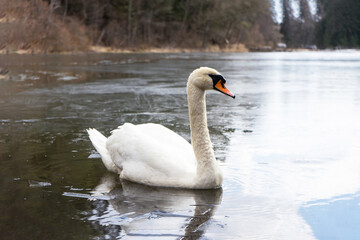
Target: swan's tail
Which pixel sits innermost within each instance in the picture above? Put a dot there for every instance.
(99, 142)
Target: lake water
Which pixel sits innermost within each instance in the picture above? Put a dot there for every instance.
(289, 146)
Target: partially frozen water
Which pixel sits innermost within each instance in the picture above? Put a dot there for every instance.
(289, 146)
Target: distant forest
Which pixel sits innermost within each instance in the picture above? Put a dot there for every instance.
(75, 25)
(335, 24)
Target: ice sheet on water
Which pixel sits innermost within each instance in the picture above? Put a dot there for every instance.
(94, 155)
(34, 184)
(67, 78)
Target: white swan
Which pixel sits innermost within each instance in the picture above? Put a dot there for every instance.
(154, 155)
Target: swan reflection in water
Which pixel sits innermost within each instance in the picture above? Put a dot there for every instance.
(145, 211)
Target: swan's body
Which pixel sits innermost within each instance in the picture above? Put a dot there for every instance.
(154, 155)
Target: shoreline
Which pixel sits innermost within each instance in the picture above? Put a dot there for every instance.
(102, 49)
(236, 48)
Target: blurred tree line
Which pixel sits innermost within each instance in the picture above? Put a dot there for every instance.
(339, 25)
(335, 24)
(139, 23)
(73, 25)
(177, 23)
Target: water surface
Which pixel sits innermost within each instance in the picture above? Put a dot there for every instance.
(289, 146)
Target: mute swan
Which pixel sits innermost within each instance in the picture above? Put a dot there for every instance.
(152, 154)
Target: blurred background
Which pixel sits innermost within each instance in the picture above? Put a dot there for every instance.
(44, 26)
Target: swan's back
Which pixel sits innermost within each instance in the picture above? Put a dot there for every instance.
(152, 154)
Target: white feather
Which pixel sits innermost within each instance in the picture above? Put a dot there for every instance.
(99, 142)
(154, 155)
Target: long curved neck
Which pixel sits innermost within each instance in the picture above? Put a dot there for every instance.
(200, 138)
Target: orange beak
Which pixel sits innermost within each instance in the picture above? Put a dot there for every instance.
(220, 86)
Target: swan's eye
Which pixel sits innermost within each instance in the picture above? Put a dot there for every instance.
(217, 78)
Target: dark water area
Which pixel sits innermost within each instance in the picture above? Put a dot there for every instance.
(289, 146)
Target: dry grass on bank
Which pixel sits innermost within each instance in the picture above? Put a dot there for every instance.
(30, 27)
(230, 48)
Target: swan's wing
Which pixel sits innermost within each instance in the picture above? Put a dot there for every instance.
(151, 154)
(166, 136)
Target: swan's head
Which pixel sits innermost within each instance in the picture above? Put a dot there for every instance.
(207, 78)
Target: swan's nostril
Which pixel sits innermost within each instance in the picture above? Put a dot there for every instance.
(222, 84)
